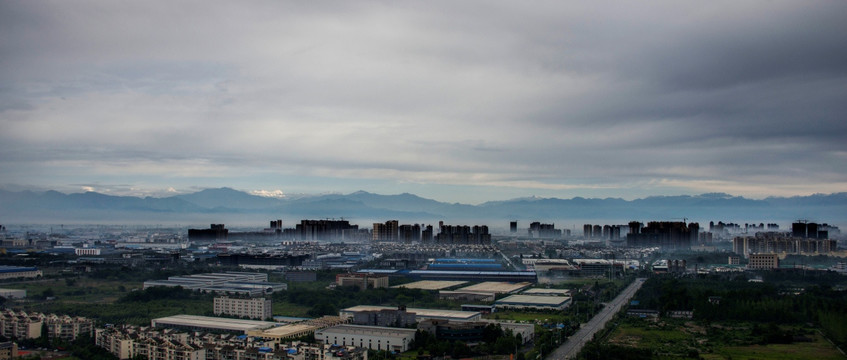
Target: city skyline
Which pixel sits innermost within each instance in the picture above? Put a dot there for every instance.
(466, 103)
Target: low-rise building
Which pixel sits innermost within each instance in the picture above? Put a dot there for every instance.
(208, 323)
(252, 308)
(301, 276)
(296, 329)
(8, 350)
(20, 325)
(370, 337)
(547, 292)
(13, 293)
(533, 302)
(643, 313)
(14, 272)
(149, 345)
(86, 251)
(466, 296)
(420, 314)
(68, 328)
(242, 283)
(23, 325)
(362, 281)
(385, 317)
(128, 341)
(763, 261)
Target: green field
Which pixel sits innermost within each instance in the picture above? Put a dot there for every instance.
(678, 339)
(527, 316)
(819, 348)
(289, 309)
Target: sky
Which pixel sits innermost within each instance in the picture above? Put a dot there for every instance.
(465, 101)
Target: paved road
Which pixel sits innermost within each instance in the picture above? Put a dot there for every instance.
(574, 344)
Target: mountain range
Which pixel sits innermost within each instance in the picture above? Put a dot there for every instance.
(225, 205)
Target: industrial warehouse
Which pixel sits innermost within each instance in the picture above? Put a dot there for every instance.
(208, 323)
(244, 283)
(371, 337)
(533, 302)
(420, 314)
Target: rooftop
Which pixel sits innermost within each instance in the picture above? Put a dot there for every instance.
(285, 330)
(534, 300)
(210, 322)
(362, 329)
(430, 284)
(538, 291)
(419, 312)
(496, 287)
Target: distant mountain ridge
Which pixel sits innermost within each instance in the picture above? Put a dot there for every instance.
(226, 204)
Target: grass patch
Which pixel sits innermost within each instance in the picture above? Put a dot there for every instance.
(288, 309)
(678, 338)
(819, 348)
(527, 316)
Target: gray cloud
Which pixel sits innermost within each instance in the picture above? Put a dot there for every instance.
(640, 99)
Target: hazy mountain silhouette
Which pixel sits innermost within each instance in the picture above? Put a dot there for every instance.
(224, 203)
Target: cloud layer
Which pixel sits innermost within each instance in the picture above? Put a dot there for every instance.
(457, 101)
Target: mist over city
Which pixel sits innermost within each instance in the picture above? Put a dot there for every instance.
(432, 180)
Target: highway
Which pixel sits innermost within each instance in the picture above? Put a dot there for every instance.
(574, 344)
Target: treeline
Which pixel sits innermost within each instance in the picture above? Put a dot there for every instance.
(594, 350)
(740, 300)
(136, 307)
(495, 341)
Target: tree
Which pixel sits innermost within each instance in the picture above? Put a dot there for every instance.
(48, 293)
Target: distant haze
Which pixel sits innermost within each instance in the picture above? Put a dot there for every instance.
(467, 101)
(237, 208)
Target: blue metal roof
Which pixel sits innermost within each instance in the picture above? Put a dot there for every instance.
(458, 272)
(13, 269)
(377, 271)
(446, 260)
(461, 266)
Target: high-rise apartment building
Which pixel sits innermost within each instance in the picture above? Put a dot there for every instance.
(328, 230)
(389, 231)
(664, 234)
(781, 243)
(410, 233)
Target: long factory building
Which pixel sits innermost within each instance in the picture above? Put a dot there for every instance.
(420, 314)
(457, 275)
(245, 283)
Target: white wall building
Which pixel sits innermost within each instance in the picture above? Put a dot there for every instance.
(370, 337)
(253, 308)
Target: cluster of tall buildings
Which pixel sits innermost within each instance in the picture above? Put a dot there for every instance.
(667, 235)
(544, 231)
(605, 232)
(463, 234)
(215, 232)
(809, 230)
(392, 231)
(781, 243)
(805, 238)
(539, 230)
(329, 230)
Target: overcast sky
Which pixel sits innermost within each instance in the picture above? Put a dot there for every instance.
(458, 101)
